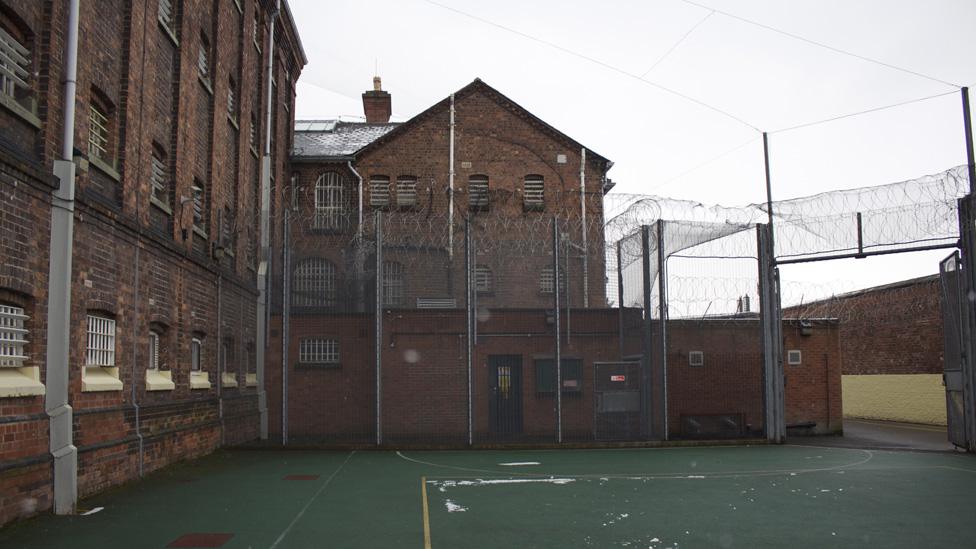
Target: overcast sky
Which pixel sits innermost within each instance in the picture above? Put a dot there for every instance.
(661, 143)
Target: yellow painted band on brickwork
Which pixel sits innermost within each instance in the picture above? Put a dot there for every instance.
(914, 398)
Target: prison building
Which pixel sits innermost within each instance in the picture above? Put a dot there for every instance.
(892, 349)
(475, 162)
(172, 109)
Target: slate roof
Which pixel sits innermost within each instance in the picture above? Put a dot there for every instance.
(328, 139)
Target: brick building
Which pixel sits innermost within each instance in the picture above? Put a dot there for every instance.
(170, 133)
(891, 345)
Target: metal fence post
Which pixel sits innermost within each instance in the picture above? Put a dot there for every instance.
(646, 332)
(379, 328)
(555, 293)
(774, 404)
(662, 298)
(620, 301)
(470, 321)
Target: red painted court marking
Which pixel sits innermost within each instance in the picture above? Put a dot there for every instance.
(201, 540)
(301, 477)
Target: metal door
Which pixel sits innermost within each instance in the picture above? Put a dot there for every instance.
(955, 326)
(617, 400)
(505, 400)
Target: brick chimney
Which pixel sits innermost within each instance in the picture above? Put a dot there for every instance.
(377, 104)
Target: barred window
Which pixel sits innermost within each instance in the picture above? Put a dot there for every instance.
(199, 205)
(159, 176)
(252, 137)
(318, 351)
(379, 191)
(203, 58)
(546, 281)
(15, 66)
(13, 336)
(256, 28)
(232, 98)
(533, 196)
(330, 202)
(478, 192)
(314, 283)
(166, 15)
(392, 283)
(101, 342)
(153, 351)
(196, 354)
(406, 189)
(98, 131)
(483, 279)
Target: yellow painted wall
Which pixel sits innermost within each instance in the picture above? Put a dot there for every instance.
(913, 398)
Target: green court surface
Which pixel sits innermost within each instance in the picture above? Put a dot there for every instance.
(760, 496)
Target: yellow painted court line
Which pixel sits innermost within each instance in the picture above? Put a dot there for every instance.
(423, 498)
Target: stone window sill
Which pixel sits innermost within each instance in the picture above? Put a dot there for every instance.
(251, 380)
(228, 380)
(97, 379)
(199, 380)
(159, 380)
(104, 167)
(169, 32)
(20, 382)
(13, 106)
(233, 122)
(161, 205)
(205, 83)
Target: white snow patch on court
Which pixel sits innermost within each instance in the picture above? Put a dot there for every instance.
(493, 481)
(519, 463)
(695, 476)
(454, 507)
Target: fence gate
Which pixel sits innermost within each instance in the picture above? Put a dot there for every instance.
(953, 297)
(617, 400)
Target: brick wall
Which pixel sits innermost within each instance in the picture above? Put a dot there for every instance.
(136, 260)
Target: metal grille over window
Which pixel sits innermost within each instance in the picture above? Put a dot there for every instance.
(482, 279)
(15, 65)
(198, 206)
(546, 281)
(534, 197)
(101, 342)
(392, 283)
(97, 133)
(406, 192)
(318, 351)
(330, 202)
(379, 191)
(478, 192)
(203, 63)
(314, 284)
(13, 336)
(252, 137)
(165, 13)
(158, 178)
(231, 100)
(153, 351)
(196, 354)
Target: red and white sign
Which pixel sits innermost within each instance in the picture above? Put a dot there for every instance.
(618, 378)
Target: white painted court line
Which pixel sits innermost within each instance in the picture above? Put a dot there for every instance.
(307, 505)
(519, 463)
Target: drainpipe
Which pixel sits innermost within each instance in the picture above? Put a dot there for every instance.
(221, 358)
(586, 270)
(135, 365)
(265, 252)
(450, 190)
(59, 291)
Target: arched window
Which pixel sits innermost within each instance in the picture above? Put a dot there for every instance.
(478, 192)
(483, 280)
(314, 283)
(392, 283)
(330, 202)
(533, 196)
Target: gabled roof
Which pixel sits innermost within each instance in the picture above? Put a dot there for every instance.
(501, 99)
(336, 140)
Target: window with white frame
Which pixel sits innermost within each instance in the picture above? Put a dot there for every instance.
(314, 283)
(256, 28)
(379, 191)
(696, 358)
(547, 281)
(232, 99)
(392, 283)
(199, 205)
(98, 131)
(15, 67)
(406, 191)
(483, 280)
(478, 192)
(13, 336)
(330, 202)
(159, 176)
(533, 196)
(153, 351)
(794, 357)
(196, 354)
(318, 351)
(252, 136)
(100, 350)
(203, 59)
